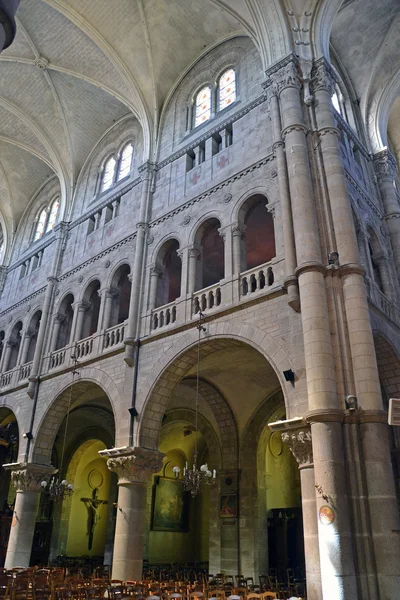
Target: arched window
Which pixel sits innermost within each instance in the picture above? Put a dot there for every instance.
(41, 225)
(34, 331)
(53, 215)
(260, 235)
(15, 342)
(92, 310)
(336, 102)
(125, 162)
(107, 178)
(121, 294)
(211, 267)
(226, 89)
(202, 106)
(62, 329)
(170, 271)
(46, 220)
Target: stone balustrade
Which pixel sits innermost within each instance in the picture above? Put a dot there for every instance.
(208, 299)
(114, 336)
(163, 316)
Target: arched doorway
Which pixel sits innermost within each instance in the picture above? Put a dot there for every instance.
(238, 387)
(80, 529)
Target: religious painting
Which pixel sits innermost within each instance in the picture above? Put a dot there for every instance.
(228, 506)
(170, 505)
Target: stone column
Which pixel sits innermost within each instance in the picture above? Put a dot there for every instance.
(82, 308)
(58, 319)
(284, 193)
(146, 171)
(25, 345)
(384, 271)
(300, 444)
(61, 231)
(134, 467)
(107, 296)
(194, 255)
(155, 273)
(337, 567)
(9, 345)
(26, 478)
(385, 169)
(238, 232)
(365, 371)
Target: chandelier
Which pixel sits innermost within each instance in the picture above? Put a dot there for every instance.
(193, 477)
(58, 489)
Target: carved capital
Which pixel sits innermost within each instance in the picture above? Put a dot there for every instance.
(283, 74)
(194, 252)
(300, 445)
(134, 465)
(59, 318)
(385, 164)
(83, 306)
(323, 77)
(142, 227)
(155, 271)
(238, 229)
(271, 208)
(27, 477)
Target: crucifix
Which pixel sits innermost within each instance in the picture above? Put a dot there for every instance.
(93, 504)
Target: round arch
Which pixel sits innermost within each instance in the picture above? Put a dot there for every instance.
(47, 426)
(156, 390)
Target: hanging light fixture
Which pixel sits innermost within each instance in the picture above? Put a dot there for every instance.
(194, 477)
(58, 489)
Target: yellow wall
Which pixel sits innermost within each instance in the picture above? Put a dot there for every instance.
(282, 475)
(165, 546)
(77, 544)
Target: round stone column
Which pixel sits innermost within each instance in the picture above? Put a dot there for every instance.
(134, 467)
(384, 516)
(337, 565)
(27, 478)
(299, 442)
(385, 169)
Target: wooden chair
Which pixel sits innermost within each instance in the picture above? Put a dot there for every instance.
(269, 594)
(253, 596)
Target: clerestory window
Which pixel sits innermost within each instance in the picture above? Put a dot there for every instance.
(202, 106)
(226, 89)
(46, 220)
(125, 161)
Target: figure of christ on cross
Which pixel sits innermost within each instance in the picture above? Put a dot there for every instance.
(93, 504)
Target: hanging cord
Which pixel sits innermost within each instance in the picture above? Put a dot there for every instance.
(74, 372)
(200, 329)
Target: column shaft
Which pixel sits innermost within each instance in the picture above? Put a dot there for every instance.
(22, 529)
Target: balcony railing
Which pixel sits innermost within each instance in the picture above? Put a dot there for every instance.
(381, 301)
(57, 359)
(257, 279)
(6, 378)
(114, 336)
(208, 299)
(163, 316)
(84, 347)
(25, 371)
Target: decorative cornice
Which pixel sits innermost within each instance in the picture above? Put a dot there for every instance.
(27, 477)
(300, 445)
(325, 415)
(294, 127)
(24, 301)
(135, 465)
(362, 193)
(97, 257)
(269, 158)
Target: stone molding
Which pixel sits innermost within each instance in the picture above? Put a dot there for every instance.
(27, 477)
(385, 164)
(325, 415)
(134, 465)
(324, 77)
(283, 74)
(300, 445)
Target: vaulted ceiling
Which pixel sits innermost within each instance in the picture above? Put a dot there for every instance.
(78, 66)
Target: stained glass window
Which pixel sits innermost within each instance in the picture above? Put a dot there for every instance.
(108, 174)
(125, 161)
(203, 106)
(53, 215)
(227, 88)
(41, 223)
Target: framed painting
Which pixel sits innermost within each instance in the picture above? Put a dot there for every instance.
(228, 506)
(169, 506)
